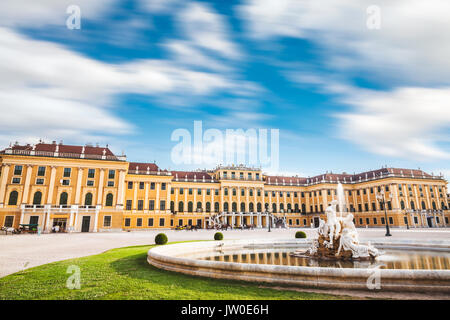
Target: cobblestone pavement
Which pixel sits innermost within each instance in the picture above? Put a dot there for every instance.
(19, 252)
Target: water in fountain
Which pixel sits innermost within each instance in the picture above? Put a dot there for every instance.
(341, 199)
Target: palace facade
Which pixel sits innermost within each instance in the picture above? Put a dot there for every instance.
(90, 189)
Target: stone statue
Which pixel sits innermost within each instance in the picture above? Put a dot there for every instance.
(340, 230)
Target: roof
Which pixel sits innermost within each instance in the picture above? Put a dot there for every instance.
(142, 166)
(190, 175)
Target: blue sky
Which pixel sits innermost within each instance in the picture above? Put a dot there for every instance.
(345, 97)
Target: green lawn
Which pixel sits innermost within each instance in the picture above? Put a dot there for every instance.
(124, 273)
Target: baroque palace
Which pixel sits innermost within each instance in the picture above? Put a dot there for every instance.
(89, 189)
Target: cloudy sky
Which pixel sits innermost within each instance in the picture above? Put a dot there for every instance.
(345, 96)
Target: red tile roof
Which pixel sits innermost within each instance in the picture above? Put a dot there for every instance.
(141, 166)
(191, 174)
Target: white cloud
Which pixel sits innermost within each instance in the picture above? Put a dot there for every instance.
(49, 12)
(55, 92)
(405, 122)
(412, 46)
(207, 30)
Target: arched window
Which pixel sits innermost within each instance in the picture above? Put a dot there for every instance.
(251, 207)
(190, 206)
(216, 207)
(88, 199)
(109, 200)
(443, 207)
(172, 206)
(402, 205)
(13, 198)
(296, 208)
(281, 206)
(234, 207)
(434, 205)
(37, 198)
(259, 207)
(208, 207)
(289, 206)
(199, 206)
(303, 208)
(225, 207)
(180, 206)
(274, 207)
(63, 199)
(423, 205)
(242, 206)
(266, 206)
(413, 207)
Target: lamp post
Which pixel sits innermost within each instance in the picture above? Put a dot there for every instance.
(382, 197)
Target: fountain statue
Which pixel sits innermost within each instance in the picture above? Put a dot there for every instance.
(338, 238)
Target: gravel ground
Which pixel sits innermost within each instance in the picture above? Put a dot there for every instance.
(19, 252)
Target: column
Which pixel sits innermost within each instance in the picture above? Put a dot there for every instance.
(3, 183)
(147, 186)
(247, 205)
(204, 199)
(168, 190)
(26, 188)
(100, 187)
(158, 186)
(96, 219)
(221, 198)
(78, 190)
(51, 186)
(135, 189)
(121, 191)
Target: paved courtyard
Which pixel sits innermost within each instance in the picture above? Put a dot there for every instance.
(19, 252)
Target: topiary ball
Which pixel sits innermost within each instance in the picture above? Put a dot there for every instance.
(218, 236)
(300, 234)
(161, 238)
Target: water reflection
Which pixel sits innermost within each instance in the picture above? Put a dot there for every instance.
(390, 260)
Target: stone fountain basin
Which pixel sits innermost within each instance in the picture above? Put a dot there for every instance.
(181, 258)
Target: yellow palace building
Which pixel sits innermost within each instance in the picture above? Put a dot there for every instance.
(89, 189)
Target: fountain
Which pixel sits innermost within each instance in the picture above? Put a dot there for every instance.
(338, 238)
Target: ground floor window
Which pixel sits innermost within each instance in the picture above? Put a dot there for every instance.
(139, 222)
(360, 221)
(180, 222)
(374, 220)
(34, 220)
(437, 220)
(150, 222)
(8, 221)
(446, 219)
(127, 222)
(382, 221)
(367, 221)
(406, 220)
(391, 221)
(171, 222)
(199, 222)
(161, 222)
(107, 221)
(416, 220)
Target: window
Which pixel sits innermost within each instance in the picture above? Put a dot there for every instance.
(181, 190)
(91, 173)
(152, 186)
(172, 191)
(37, 198)
(208, 192)
(163, 186)
(41, 171)
(107, 221)
(162, 205)
(258, 192)
(249, 176)
(140, 204)
(111, 174)
(241, 175)
(190, 206)
(180, 206)
(257, 176)
(150, 222)
(374, 220)
(18, 170)
(161, 222)
(391, 221)
(151, 205)
(13, 198)
(216, 192)
(90, 183)
(234, 192)
(190, 190)
(367, 221)
(16, 180)
(8, 221)
(199, 192)
(139, 222)
(374, 206)
(109, 200)
(66, 182)
(128, 205)
(382, 220)
(130, 185)
(225, 191)
(88, 199)
(360, 221)
(63, 199)
(67, 172)
(110, 183)
(39, 181)
(242, 192)
(141, 185)
(366, 207)
(127, 222)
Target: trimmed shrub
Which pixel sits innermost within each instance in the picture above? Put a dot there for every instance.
(300, 235)
(161, 238)
(218, 236)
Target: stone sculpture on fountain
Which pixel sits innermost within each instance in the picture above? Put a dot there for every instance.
(338, 239)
